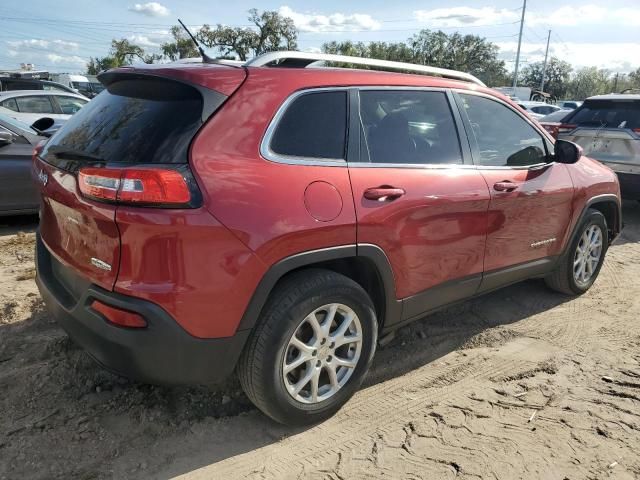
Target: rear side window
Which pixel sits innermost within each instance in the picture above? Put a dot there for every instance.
(607, 114)
(408, 127)
(313, 126)
(503, 137)
(70, 105)
(10, 103)
(133, 121)
(41, 104)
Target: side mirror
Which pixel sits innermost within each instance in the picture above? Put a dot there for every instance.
(567, 152)
(42, 124)
(6, 138)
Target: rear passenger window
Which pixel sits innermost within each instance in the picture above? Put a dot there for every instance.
(408, 127)
(10, 103)
(40, 104)
(503, 137)
(313, 126)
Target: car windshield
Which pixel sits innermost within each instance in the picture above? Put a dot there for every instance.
(608, 114)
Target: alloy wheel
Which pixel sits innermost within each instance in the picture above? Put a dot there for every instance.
(587, 255)
(322, 353)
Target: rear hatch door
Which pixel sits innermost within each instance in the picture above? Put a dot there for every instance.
(609, 131)
(141, 119)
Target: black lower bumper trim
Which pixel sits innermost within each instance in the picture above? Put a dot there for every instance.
(162, 353)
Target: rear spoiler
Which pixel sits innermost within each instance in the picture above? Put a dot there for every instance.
(211, 98)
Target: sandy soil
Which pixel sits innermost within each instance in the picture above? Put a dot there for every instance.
(522, 383)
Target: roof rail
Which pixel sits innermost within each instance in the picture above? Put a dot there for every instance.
(305, 59)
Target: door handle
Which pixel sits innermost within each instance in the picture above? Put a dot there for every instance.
(383, 194)
(504, 186)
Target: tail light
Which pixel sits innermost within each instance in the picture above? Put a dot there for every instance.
(552, 128)
(136, 186)
(37, 150)
(119, 317)
(566, 127)
(637, 130)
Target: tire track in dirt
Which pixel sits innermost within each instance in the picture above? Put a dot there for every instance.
(413, 395)
(376, 412)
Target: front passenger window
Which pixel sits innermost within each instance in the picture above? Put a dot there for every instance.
(410, 127)
(503, 137)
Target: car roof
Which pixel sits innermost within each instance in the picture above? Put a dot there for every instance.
(616, 96)
(301, 78)
(25, 93)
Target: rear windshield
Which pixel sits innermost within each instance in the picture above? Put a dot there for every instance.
(607, 114)
(132, 121)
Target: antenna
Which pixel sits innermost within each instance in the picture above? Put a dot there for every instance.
(205, 57)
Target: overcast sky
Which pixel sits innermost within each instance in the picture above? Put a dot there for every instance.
(61, 35)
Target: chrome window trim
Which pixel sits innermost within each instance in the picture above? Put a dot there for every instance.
(428, 166)
(542, 132)
(265, 144)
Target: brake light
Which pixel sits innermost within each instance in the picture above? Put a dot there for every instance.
(637, 130)
(566, 127)
(117, 316)
(37, 150)
(144, 186)
(552, 128)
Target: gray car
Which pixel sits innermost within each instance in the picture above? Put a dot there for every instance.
(607, 127)
(18, 194)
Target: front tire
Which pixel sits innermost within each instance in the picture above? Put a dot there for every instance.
(313, 345)
(581, 265)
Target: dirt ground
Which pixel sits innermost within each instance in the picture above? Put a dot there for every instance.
(521, 383)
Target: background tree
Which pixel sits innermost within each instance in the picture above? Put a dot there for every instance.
(468, 53)
(557, 76)
(122, 52)
(635, 78)
(181, 47)
(272, 32)
(589, 81)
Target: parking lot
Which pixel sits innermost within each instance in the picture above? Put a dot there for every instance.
(520, 383)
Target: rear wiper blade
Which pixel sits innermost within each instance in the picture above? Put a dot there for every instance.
(74, 154)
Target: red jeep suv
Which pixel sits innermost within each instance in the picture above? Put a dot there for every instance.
(279, 220)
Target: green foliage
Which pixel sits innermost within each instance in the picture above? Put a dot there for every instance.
(181, 47)
(122, 52)
(589, 81)
(272, 32)
(469, 53)
(556, 79)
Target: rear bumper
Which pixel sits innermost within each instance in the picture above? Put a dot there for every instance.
(161, 353)
(629, 185)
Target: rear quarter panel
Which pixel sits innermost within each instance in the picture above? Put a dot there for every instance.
(190, 265)
(260, 201)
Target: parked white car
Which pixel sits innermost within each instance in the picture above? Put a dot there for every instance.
(31, 105)
(538, 110)
(570, 104)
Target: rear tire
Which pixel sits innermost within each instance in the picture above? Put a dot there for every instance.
(298, 338)
(581, 264)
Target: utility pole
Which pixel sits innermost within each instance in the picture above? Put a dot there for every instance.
(544, 68)
(515, 73)
(615, 86)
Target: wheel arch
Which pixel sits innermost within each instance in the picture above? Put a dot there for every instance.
(366, 264)
(607, 204)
